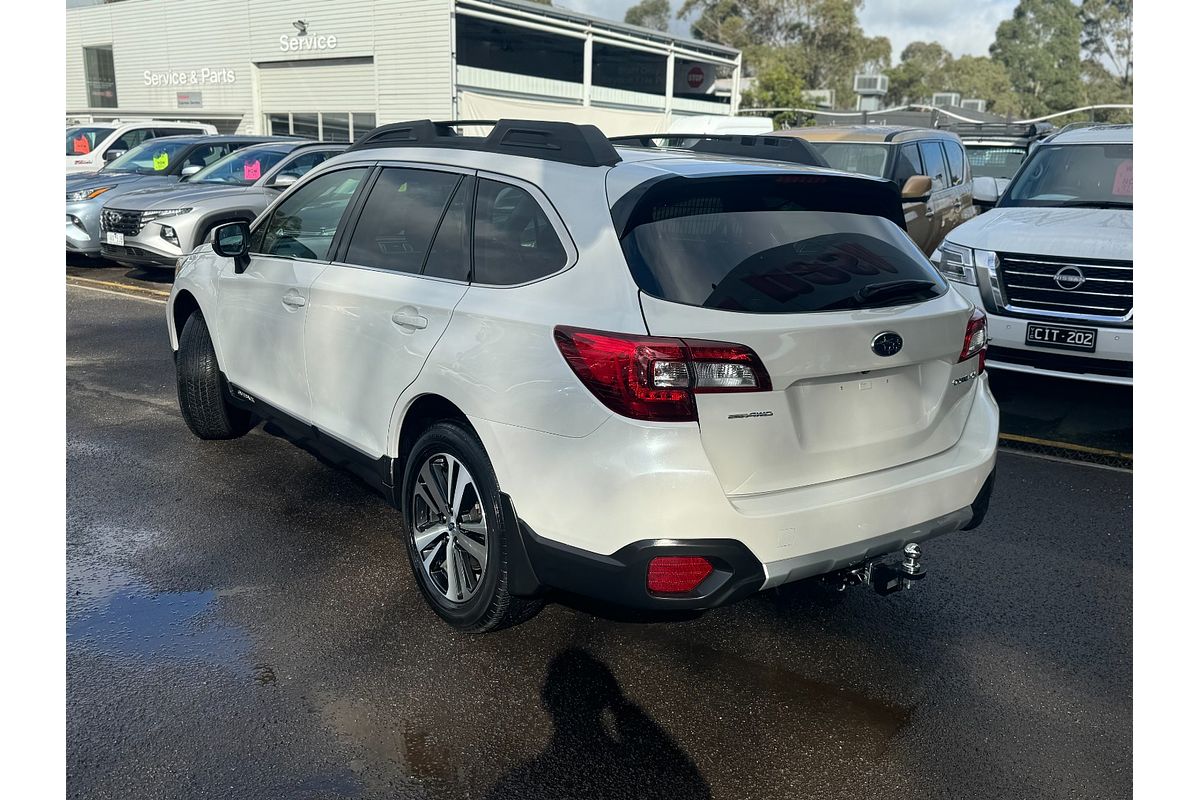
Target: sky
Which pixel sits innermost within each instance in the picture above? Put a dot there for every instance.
(963, 28)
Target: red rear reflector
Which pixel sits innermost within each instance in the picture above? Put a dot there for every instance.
(677, 574)
(655, 378)
(976, 338)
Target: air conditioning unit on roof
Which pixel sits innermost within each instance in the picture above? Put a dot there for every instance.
(944, 99)
(975, 105)
(870, 84)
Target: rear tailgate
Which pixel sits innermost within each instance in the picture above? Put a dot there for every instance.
(807, 269)
(836, 409)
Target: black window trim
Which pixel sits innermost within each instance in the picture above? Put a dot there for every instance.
(945, 162)
(556, 222)
(351, 207)
(341, 244)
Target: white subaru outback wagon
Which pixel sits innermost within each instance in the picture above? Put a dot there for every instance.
(657, 376)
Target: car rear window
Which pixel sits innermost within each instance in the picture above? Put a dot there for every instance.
(780, 245)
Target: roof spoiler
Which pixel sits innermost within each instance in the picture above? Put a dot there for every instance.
(565, 142)
(770, 148)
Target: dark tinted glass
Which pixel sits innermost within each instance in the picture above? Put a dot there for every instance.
(1079, 176)
(954, 158)
(100, 76)
(450, 256)
(935, 164)
(908, 163)
(206, 154)
(514, 240)
(301, 164)
(303, 225)
(398, 221)
(305, 125)
(770, 247)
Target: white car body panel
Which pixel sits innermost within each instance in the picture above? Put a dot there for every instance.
(90, 162)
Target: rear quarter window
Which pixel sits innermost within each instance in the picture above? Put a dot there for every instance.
(771, 247)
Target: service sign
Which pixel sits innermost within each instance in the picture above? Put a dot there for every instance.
(194, 77)
(189, 99)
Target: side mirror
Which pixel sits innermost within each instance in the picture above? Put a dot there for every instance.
(232, 240)
(916, 187)
(113, 153)
(284, 180)
(190, 170)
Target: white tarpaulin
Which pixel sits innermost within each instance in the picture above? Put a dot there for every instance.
(612, 122)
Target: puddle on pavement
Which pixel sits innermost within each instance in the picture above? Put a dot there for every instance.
(135, 622)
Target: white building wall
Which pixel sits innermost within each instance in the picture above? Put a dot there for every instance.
(413, 46)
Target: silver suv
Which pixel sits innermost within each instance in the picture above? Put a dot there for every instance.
(154, 227)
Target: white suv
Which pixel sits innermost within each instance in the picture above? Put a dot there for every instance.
(664, 378)
(1053, 263)
(92, 145)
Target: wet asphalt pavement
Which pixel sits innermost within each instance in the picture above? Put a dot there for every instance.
(242, 623)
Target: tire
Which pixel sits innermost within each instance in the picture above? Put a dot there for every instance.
(202, 398)
(478, 600)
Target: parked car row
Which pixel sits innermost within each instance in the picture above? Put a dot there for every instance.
(162, 198)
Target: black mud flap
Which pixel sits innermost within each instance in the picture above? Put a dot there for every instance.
(979, 507)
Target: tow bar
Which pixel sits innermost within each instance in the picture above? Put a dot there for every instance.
(884, 578)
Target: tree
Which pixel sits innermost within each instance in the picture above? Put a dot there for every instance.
(654, 14)
(919, 74)
(1039, 49)
(980, 76)
(778, 79)
(1108, 37)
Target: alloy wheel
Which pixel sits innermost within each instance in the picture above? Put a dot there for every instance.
(449, 529)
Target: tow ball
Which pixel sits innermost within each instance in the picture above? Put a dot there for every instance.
(884, 578)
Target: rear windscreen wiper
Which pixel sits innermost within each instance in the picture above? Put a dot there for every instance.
(878, 291)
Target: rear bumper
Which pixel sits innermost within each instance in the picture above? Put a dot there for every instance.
(630, 483)
(620, 578)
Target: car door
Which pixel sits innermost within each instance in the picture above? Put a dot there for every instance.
(960, 183)
(939, 210)
(261, 311)
(376, 313)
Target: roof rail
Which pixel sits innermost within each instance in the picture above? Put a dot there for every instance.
(767, 147)
(583, 145)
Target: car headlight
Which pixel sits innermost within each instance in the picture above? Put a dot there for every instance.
(957, 263)
(86, 194)
(160, 213)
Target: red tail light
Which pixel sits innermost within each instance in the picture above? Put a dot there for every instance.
(676, 574)
(975, 339)
(656, 378)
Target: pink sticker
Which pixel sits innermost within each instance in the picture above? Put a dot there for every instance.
(252, 170)
(1123, 179)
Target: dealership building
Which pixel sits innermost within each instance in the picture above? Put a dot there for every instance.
(332, 69)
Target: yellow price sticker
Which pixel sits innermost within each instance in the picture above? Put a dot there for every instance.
(160, 162)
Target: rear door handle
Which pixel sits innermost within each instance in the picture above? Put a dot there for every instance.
(406, 319)
(294, 299)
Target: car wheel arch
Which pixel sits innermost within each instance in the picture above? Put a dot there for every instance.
(183, 306)
(424, 410)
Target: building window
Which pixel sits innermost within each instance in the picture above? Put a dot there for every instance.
(328, 126)
(100, 76)
(631, 70)
(506, 48)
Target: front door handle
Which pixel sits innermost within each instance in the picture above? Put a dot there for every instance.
(407, 319)
(294, 299)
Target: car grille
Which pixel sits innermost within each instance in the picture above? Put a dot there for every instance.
(126, 222)
(1057, 287)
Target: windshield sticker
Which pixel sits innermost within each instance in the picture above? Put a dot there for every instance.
(160, 162)
(1123, 179)
(252, 170)
(81, 146)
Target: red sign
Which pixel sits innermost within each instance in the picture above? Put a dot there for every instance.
(80, 145)
(695, 77)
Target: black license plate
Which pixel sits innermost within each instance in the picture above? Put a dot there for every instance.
(1061, 337)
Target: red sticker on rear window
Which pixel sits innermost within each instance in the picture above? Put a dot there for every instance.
(1123, 179)
(252, 170)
